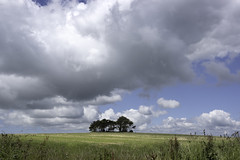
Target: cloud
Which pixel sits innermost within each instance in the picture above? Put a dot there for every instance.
(68, 116)
(220, 40)
(63, 117)
(145, 110)
(217, 119)
(221, 72)
(216, 122)
(167, 103)
(103, 100)
(74, 51)
(109, 114)
(84, 52)
(141, 117)
(175, 125)
(52, 113)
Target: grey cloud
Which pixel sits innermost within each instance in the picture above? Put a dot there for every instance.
(221, 40)
(84, 52)
(126, 47)
(146, 51)
(103, 100)
(63, 117)
(221, 72)
(81, 67)
(186, 20)
(61, 112)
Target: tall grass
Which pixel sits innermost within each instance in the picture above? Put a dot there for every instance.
(89, 147)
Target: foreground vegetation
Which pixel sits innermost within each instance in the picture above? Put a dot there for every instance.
(117, 146)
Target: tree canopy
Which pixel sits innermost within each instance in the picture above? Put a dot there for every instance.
(122, 124)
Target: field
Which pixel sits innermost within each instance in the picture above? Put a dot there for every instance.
(117, 146)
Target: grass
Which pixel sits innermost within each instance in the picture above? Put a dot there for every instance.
(117, 146)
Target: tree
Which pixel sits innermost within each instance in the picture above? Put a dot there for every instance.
(124, 124)
(95, 126)
(111, 126)
(103, 125)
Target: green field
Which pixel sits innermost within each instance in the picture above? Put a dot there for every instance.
(117, 146)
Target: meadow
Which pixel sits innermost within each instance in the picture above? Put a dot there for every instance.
(118, 146)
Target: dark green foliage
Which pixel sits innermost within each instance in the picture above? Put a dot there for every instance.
(230, 147)
(11, 147)
(123, 124)
(151, 156)
(105, 155)
(174, 147)
(94, 126)
(209, 150)
(102, 126)
(42, 150)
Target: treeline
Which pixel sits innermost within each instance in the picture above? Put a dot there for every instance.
(122, 124)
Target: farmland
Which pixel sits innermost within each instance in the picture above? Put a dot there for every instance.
(117, 146)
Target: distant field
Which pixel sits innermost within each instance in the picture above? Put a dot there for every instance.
(130, 139)
(117, 146)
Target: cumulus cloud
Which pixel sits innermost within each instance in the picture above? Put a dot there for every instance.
(175, 125)
(168, 103)
(141, 117)
(216, 122)
(74, 50)
(63, 117)
(217, 119)
(84, 52)
(81, 51)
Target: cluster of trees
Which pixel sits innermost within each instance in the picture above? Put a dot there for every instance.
(122, 124)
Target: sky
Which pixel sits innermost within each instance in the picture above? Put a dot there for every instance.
(169, 66)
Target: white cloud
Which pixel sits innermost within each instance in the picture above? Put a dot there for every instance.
(216, 122)
(145, 110)
(138, 119)
(217, 119)
(168, 103)
(90, 113)
(109, 114)
(141, 118)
